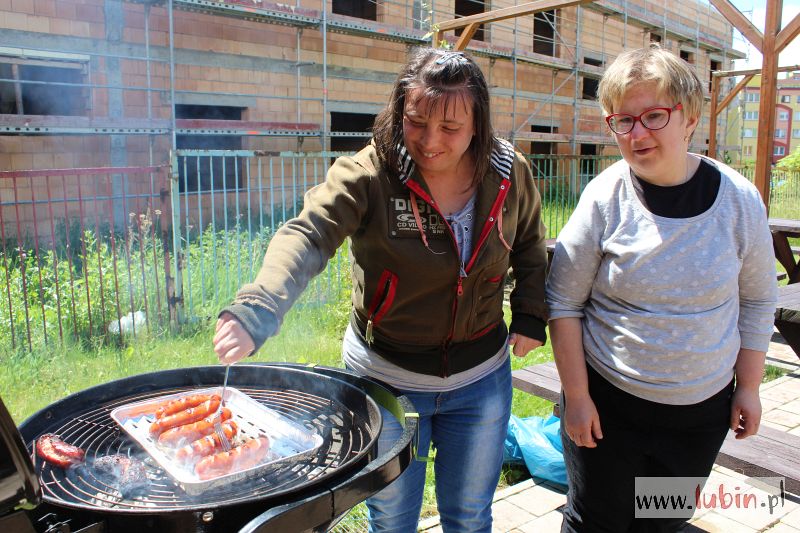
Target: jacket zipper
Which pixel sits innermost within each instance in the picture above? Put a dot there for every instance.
(380, 303)
(462, 272)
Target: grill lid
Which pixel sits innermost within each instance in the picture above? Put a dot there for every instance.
(19, 485)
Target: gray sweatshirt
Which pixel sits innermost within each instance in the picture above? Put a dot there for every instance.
(665, 303)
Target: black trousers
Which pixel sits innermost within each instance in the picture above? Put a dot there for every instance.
(640, 439)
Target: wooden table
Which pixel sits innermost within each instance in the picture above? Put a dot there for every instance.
(787, 315)
(782, 229)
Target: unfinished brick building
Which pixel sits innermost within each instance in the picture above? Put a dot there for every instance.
(204, 120)
(92, 82)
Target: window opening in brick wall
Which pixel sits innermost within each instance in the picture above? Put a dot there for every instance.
(227, 172)
(655, 37)
(779, 150)
(593, 62)
(687, 56)
(786, 99)
(41, 89)
(714, 66)
(543, 168)
(589, 88)
(363, 9)
(350, 122)
(588, 165)
(465, 8)
(544, 32)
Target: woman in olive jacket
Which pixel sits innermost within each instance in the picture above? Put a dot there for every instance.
(436, 209)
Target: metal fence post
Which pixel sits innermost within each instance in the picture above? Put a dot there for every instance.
(175, 299)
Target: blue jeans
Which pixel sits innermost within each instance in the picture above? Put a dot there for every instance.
(467, 427)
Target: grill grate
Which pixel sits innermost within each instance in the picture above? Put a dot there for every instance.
(345, 436)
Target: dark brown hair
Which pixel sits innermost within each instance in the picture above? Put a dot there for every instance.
(442, 75)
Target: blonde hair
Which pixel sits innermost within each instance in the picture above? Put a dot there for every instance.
(672, 76)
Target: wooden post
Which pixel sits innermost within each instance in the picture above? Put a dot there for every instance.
(770, 45)
(766, 109)
(712, 127)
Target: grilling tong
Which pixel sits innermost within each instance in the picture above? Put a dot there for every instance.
(224, 442)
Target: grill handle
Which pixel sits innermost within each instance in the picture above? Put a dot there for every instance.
(340, 496)
(19, 485)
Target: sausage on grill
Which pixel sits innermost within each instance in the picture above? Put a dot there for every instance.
(182, 435)
(181, 404)
(191, 453)
(193, 414)
(245, 456)
(52, 449)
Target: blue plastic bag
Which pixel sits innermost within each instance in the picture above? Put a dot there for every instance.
(536, 442)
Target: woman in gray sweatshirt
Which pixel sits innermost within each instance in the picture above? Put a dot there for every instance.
(661, 294)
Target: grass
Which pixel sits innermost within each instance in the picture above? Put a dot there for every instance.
(773, 372)
(31, 381)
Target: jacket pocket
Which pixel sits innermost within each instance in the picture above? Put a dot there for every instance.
(381, 302)
(487, 298)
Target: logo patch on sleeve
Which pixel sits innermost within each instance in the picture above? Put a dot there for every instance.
(403, 226)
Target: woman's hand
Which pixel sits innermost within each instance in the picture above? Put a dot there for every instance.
(745, 412)
(746, 404)
(231, 342)
(581, 422)
(522, 344)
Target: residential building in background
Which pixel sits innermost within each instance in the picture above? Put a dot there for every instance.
(787, 118)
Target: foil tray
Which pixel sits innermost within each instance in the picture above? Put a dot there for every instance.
(289, 441)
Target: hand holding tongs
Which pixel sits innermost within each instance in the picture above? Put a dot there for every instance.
(224, 442)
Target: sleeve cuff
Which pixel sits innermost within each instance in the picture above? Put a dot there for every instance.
(259, 322)
(530, 326)
(556, 314)
(753, 341)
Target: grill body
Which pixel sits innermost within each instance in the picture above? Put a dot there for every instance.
(303, 495)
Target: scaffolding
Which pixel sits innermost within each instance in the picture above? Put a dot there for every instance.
(156, 58)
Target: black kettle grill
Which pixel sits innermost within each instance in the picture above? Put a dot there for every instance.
(310, 495)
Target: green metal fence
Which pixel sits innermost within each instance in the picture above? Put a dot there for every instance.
(561, 180)
(784, 192)
(227, 204)
(87, 251)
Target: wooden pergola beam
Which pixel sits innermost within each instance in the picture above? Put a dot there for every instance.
(735, 17)
(787, 34)
(717, 108)
(466, 36)
(496, 16)
(731, 73)
(766, 109)
(727, 100)
(770, 46)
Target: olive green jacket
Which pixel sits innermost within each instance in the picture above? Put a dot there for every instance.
(412, 300)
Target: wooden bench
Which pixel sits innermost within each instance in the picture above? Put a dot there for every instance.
(789, 304)
(770, 453)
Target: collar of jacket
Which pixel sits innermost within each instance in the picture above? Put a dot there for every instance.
(502, 159)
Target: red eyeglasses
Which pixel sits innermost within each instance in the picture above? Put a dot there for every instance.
(654, 118)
